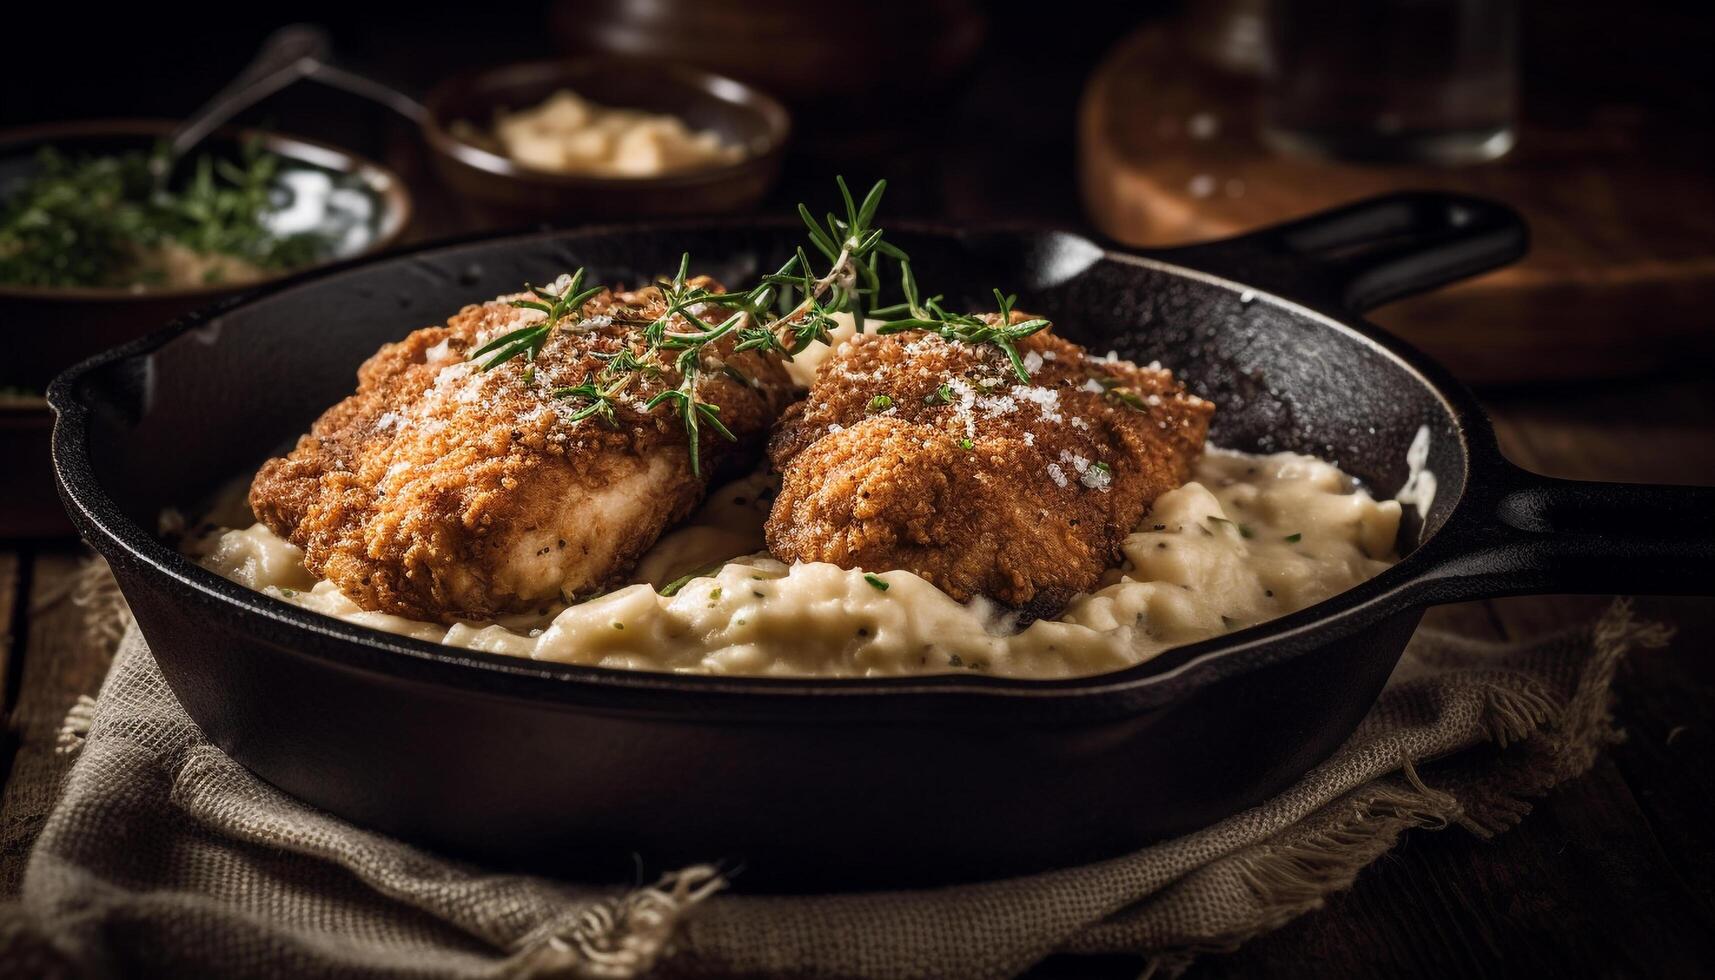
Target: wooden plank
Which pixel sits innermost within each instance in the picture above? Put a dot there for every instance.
(11, 650)
(1643, 817)
(1169, 152)
(59, 664)
(9, 571)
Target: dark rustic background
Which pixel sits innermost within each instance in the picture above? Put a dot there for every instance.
(1613, 875)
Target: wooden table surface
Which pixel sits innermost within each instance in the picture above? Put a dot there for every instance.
(1613, 874)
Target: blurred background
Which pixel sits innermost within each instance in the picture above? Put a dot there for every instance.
(1139, 123)
(1145, 122)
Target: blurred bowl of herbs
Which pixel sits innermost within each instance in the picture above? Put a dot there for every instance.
(94, 254)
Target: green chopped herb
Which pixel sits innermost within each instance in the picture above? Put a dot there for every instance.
(880, 403)
(1244, 531)
(1294, 538)
(673, 587)
(618, 625)
(1102, 466)
(714, 595)
(965, 444)
(940, 396)
(288, 593)
(101, 221)
(1116, 389)
(875, 581)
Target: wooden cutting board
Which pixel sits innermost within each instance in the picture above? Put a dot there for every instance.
(1621, 274)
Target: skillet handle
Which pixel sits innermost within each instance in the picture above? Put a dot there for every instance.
(1548, 535)
(1358, 256)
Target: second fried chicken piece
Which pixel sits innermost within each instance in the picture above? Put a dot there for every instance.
(918, 453)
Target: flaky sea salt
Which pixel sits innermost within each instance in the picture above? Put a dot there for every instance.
(1047, 400)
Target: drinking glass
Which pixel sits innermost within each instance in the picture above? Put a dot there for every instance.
(1421, 81)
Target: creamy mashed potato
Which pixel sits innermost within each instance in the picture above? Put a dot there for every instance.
(570, 135)
(1249, 539)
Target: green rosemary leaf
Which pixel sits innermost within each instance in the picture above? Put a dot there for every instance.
(871, 203)
(852, 222)
(711, 415)
(876, 581)
(672, 588)
(502, 341)
(818, 237)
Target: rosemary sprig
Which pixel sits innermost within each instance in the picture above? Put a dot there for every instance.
(782, 315)
(997, 329)
(529, 341)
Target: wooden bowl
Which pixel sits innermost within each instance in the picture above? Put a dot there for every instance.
(49, 329)
(507, 192)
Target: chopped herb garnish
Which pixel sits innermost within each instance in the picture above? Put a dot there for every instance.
(714, 595)
(880, 403)
(618, 625)
(1244, 531)
(288, 593)
(1294, 538)
(965, 444)
(1117, 390)
(102, 222)
(940, 396)
(673, 587)
(875, 581)
(1102, 466)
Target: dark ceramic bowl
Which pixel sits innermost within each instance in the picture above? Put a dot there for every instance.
(507, 192)
(48, 330)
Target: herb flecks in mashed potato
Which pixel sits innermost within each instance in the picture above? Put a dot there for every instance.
(1188, 573)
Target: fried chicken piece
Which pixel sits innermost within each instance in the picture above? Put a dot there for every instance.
(442, 492)
(918, 453)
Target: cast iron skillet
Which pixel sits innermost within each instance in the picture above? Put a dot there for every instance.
(848, 783)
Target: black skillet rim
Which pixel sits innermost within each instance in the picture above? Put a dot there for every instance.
(1408, 585)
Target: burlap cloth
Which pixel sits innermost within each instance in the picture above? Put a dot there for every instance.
(165, 857)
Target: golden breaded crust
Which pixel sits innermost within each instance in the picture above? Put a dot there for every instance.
(441, 492)
(992, 491)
